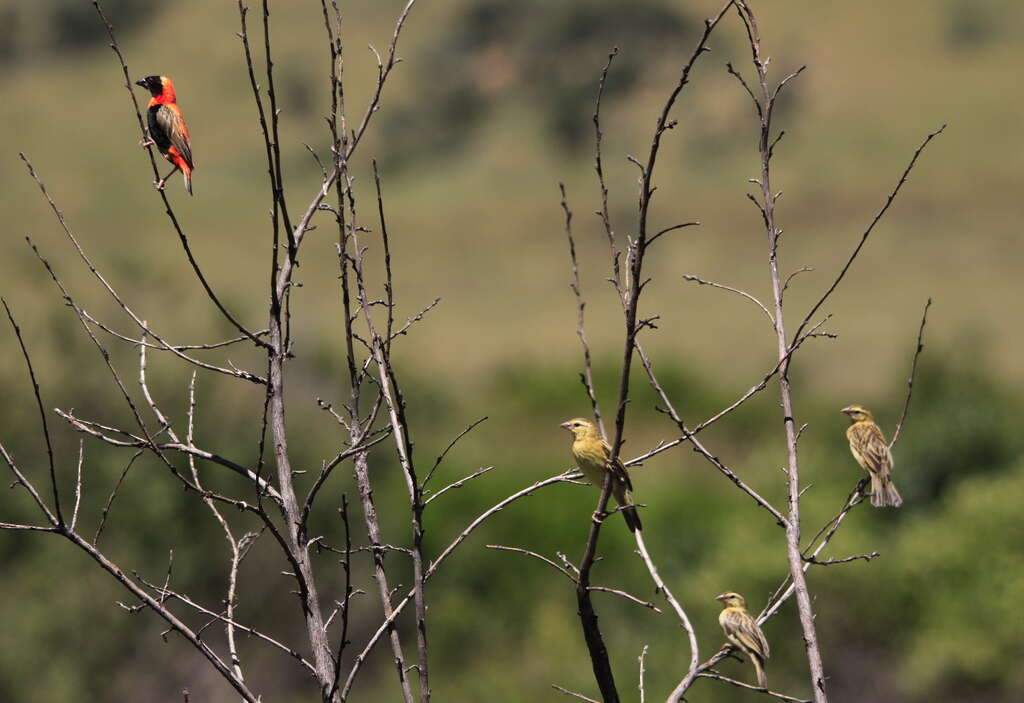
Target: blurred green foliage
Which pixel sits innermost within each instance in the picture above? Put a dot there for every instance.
(490, 109)
(933, 613)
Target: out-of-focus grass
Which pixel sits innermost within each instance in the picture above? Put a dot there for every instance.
(478, 223)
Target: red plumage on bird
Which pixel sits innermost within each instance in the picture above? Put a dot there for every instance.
(167, 128)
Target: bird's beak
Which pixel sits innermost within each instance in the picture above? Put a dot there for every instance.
(848, 409)
(720, 597)
(565, 424)
(141, 82)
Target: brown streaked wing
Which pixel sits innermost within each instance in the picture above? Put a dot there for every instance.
(742, 626)
(618, 471)
(873, 447)
(169, 118)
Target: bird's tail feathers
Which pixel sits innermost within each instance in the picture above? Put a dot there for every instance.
(188, 179)
(632, 518)
(762, 678)
(624, 499)
(884, 493)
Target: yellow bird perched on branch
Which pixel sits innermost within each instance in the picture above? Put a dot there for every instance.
(742, 631)
(592, 455)
(869, 448)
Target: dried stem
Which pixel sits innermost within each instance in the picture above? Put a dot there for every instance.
(913, 371)
(867, 232)
(387, 625)
(42, 419)
(587, 376)
(663, 589)
(740, 684)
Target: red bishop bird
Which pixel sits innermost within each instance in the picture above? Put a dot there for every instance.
(167, 129)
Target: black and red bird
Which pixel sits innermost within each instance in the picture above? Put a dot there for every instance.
(167, 128)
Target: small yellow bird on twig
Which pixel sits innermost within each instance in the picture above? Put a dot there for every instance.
(592, 455)
(742, 631)
(869, 448)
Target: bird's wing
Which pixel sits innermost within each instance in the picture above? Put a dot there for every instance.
(173, 124)
(743, 628)
(618, 470)
(871, 445)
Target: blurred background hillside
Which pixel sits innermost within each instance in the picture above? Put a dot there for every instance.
(488, 112)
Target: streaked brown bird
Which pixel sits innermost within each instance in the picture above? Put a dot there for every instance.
(592, 455)
(869, 448)
(741, 630)
(167, 128)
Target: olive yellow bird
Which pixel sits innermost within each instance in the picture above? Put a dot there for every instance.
(742, 631)
(869, 448)
(592, 455)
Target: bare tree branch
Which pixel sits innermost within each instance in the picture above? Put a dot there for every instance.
(748, 296)
(913, 371)
(573, 694)
(587, 376)
(767, 207)
(42, 415)
(566, 477)
(444, 453)
(684, 620)
(457, 484)
(740, 684)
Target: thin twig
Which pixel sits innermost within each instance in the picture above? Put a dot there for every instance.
(387, 625)
(660, 587)
(698, 446)
(78, 483)
(22, 480)
(587, 376)
(913, 371)
(113, 495)
(444, 453)
(845, 560)
(867, 232)
(519, 550)
(573, 694)
(740, 684)
(748, 296)
(457, 484)
(42, 415)
(642, 659)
